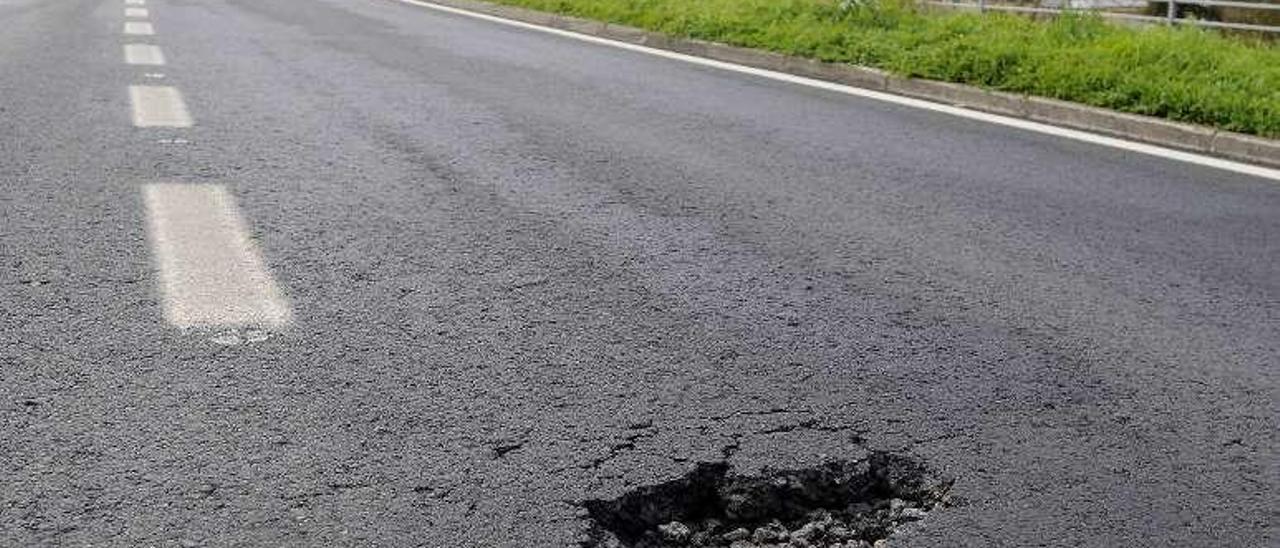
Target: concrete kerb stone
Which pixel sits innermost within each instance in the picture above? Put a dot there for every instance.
(508, 12)
(1131, 126)
(1247, 147)
(850, 75)
(629, 35)
(581, 26)
(1141, 128)
(959, 95)
(767, 60)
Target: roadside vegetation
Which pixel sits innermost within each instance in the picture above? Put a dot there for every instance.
(1183, 74)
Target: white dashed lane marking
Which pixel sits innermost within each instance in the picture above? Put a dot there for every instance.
(135, 2)
(211, 273)
(158, 106)
(139, 28)
(143, 54)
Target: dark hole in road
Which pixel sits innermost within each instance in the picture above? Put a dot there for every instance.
(840, 504)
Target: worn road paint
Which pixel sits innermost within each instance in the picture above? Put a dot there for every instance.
(140, 13)
(1026, 125)
(143, 54)
(211, 273)
(158, 106)
(138, 28)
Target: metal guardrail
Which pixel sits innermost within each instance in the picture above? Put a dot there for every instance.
(1171, 17)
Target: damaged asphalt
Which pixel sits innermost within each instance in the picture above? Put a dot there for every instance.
(846, 503)
(528, 272)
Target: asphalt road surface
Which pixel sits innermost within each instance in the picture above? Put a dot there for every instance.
(357, 273)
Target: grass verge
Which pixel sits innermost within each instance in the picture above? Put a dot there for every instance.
(1183, 74)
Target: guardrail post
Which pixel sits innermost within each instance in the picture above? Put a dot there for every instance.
(982, 6)
(1173, 11)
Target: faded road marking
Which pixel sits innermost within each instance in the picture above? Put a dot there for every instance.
(139, 28)
(143, 54)
(158, 106)
(211, 273)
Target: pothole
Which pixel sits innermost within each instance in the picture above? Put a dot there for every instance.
(840, 504)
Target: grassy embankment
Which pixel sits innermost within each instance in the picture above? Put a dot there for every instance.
(1182, 74)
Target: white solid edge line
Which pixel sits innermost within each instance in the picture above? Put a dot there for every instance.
(1114, 142)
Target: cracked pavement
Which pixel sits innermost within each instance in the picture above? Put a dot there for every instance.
(526, 271)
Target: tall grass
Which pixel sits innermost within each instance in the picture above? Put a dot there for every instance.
(1183, 74)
